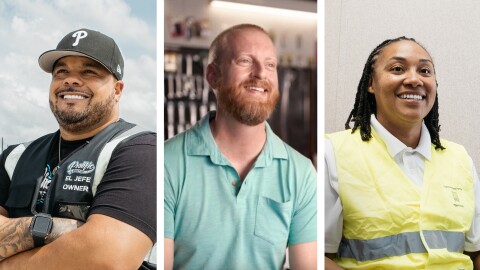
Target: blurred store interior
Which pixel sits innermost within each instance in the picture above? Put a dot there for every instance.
(190, 27)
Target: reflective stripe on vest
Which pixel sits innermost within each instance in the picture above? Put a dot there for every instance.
(102, 164)
(13, 157)
(400, 244)
(106, 154)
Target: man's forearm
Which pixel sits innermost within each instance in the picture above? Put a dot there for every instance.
(62, 226)
(102, 243)
(303, 256)
(15, 235)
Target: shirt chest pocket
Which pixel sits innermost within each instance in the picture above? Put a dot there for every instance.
(272, 220)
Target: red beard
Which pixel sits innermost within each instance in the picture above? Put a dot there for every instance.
(244, 107)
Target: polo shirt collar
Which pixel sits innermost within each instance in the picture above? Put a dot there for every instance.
(274, 148)
(200, 142)
(395, 146)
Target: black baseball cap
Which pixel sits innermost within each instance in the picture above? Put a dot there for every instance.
(88, 43)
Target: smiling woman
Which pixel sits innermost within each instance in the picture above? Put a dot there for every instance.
(404, 88)
(402, 63)
(388, 180)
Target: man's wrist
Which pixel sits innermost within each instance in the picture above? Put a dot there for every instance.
(40, 228)
(62, 226)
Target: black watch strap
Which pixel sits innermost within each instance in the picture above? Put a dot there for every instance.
(40, 227)
(38, 241)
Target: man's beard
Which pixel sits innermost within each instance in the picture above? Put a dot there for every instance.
(242, 106)
(90, 116)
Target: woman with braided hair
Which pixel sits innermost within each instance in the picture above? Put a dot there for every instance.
(396, 195)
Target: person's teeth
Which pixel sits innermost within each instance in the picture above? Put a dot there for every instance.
(405, 96)
(258, 89)
(73, 97)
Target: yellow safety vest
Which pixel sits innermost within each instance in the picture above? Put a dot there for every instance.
(388, 223)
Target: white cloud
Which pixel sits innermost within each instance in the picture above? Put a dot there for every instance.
(30, 27)
(137, 100)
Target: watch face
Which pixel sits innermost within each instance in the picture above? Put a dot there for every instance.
(42, 225)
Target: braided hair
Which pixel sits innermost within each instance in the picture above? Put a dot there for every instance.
(365, 101)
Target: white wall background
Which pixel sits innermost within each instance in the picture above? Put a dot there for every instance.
(449, 30)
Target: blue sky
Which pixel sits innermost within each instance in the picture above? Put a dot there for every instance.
(146, 9)
(30, 27)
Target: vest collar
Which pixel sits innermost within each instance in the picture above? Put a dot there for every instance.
(395, 146)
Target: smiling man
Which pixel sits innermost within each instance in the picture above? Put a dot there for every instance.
(236, 195)
(82, 197)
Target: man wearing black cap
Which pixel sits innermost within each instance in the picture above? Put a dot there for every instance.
(82, 197)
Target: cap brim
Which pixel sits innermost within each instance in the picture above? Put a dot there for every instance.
(48, 58)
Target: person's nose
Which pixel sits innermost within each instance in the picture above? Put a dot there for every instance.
(72, 79)
(259, 71)
(413, 78)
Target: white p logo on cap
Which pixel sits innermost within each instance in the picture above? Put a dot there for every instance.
(79, 35)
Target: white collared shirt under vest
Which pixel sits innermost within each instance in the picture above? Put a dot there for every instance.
(412, 163)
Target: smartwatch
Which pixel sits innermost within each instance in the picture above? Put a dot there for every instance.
(40, 228)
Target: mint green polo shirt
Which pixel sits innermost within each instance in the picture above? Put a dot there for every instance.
(218, 222)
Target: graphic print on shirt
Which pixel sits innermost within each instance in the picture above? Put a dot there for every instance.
(44, 184)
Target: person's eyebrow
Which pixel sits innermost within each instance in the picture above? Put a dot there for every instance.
(426, 60)
(92, 64)
(59, 63)
(399, 58)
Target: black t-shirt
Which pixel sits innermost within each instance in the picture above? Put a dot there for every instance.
(127, 191)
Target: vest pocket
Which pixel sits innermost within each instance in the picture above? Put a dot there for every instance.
(69, 210)
(272, 221)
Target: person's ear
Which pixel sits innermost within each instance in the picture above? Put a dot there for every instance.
(370, 86)
(118, 89)
(212, 75)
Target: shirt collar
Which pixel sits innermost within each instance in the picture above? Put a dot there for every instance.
(395, 146)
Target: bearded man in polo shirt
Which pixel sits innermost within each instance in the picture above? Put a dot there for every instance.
(236, 195)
